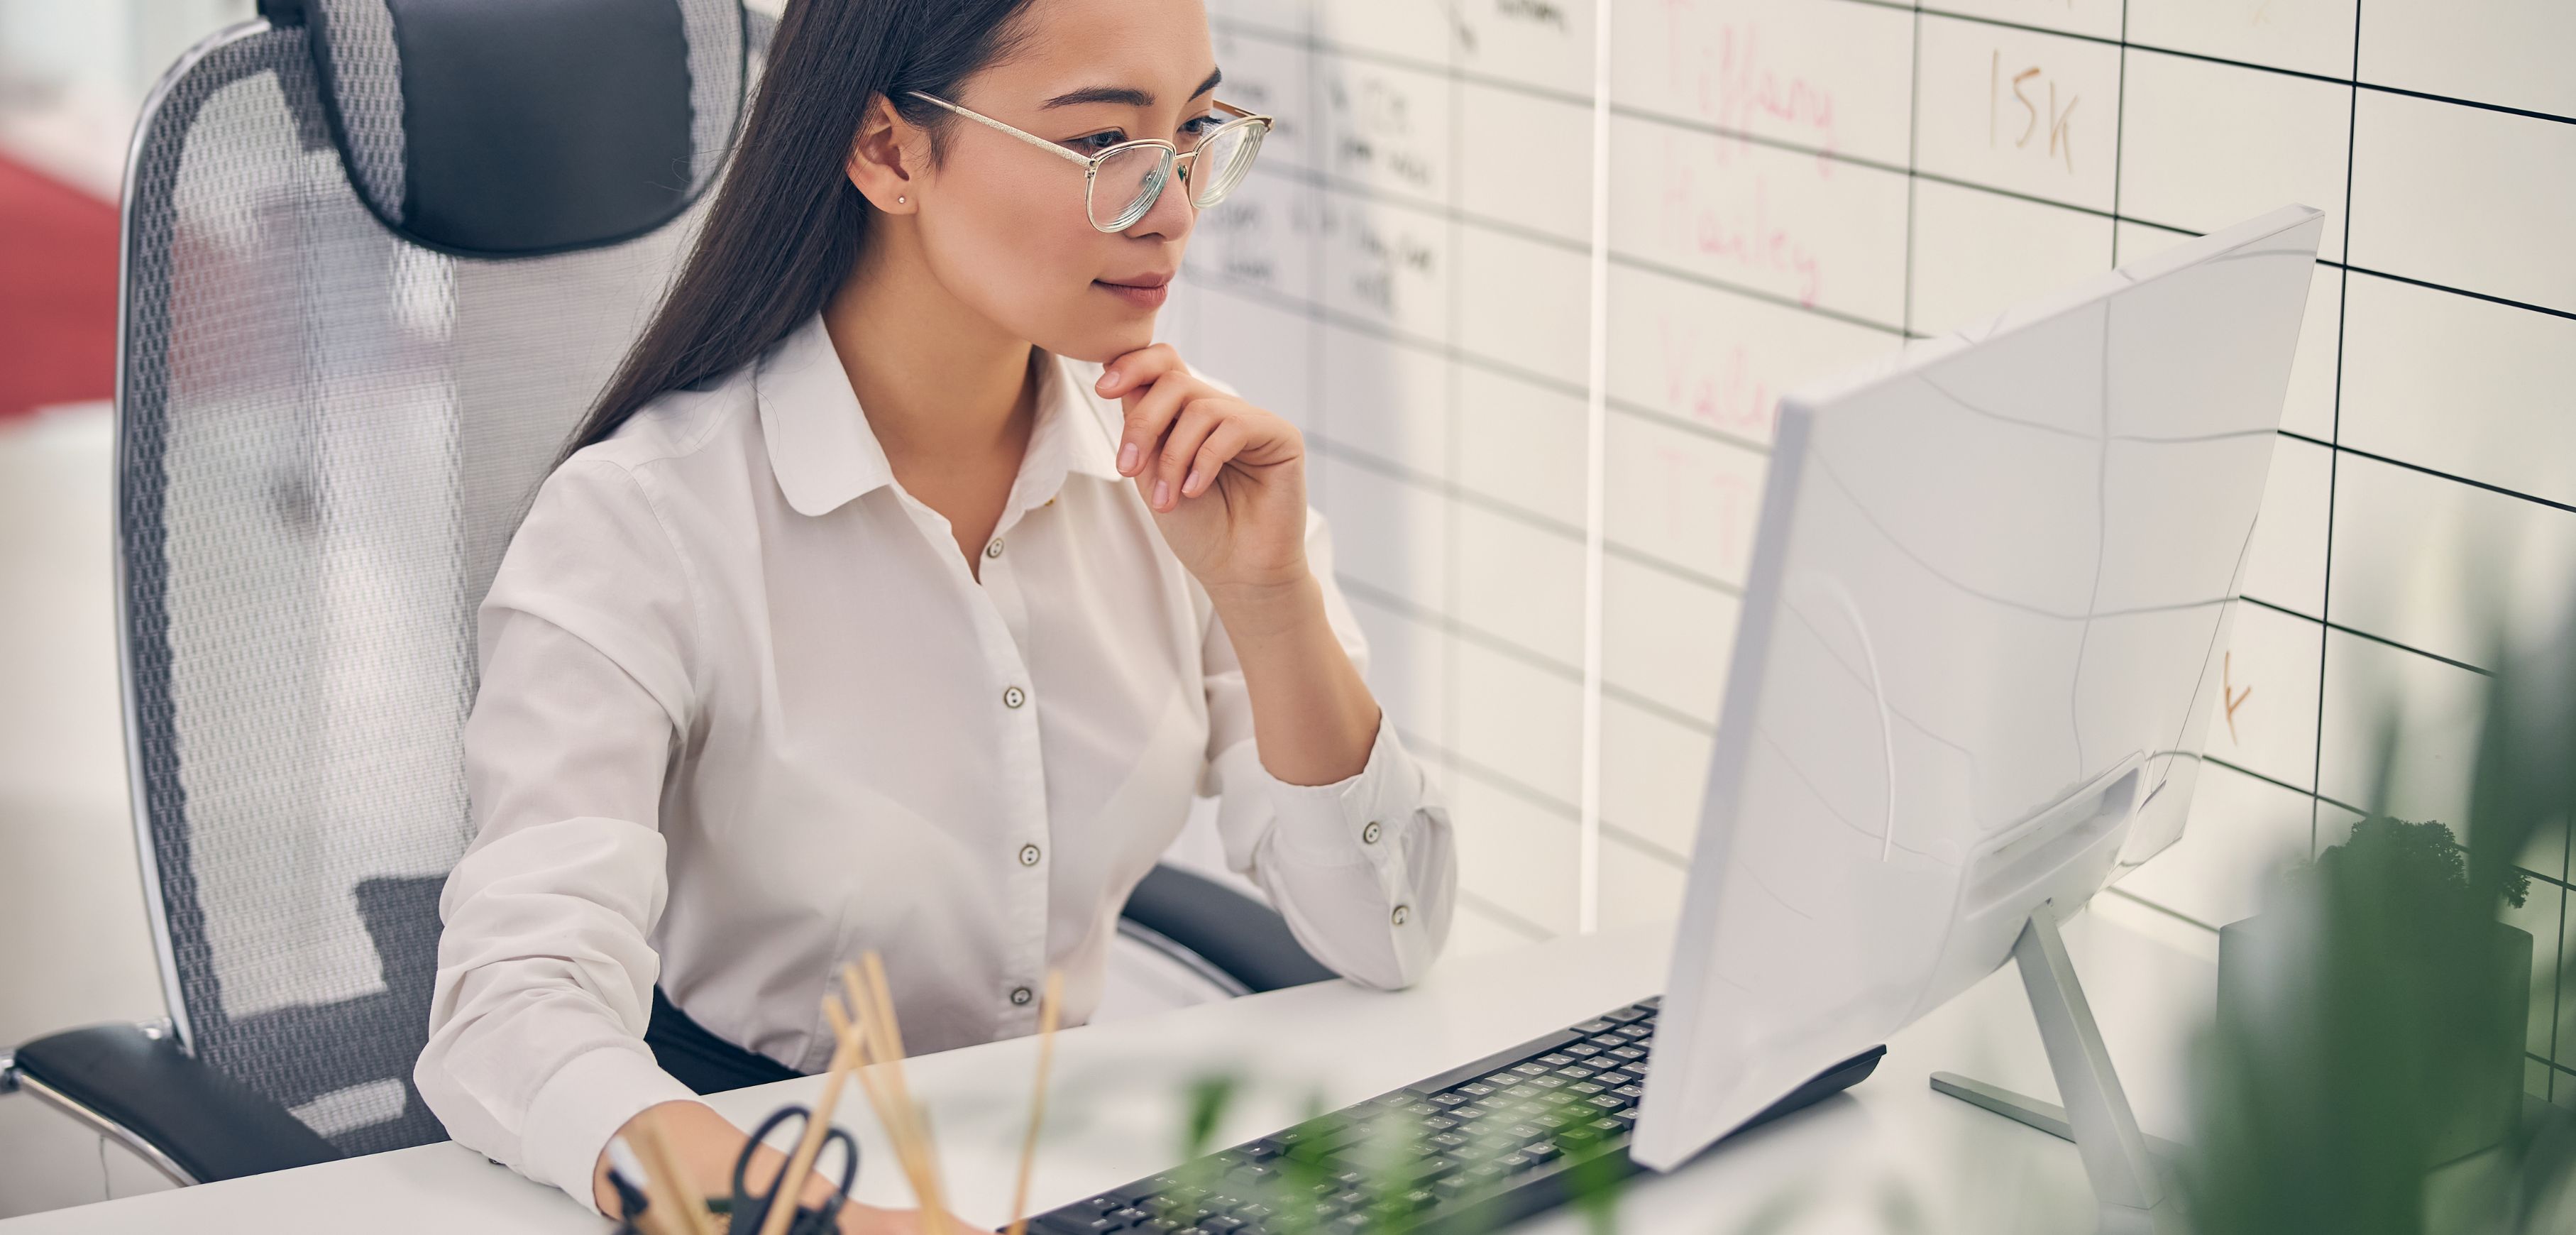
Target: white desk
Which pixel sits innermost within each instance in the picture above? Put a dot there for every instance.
(1117, 1106)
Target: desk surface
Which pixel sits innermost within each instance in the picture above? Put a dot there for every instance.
(1847, 1164)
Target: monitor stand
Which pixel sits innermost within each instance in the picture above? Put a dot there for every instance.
(2117, 1156)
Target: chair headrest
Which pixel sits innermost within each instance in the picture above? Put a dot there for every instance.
(519, 127)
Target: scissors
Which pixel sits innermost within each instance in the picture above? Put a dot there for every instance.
(747, 1209)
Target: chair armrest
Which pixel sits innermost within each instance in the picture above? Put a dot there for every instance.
(1246, 939)
(189, 1120)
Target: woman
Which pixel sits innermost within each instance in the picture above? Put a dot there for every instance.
(770, 680)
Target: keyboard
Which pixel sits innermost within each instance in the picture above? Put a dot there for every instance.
(1471, 1149)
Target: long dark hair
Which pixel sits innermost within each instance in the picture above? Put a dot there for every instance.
(786, 224)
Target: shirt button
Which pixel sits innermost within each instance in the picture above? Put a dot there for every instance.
(994, 549)
(1028, 855)
(1402, 914)
(1014, 697)
(1369, 834)
(1020, 996)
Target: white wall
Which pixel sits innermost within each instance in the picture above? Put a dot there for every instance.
(77, 948)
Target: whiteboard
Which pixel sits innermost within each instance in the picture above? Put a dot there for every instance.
(1547, 553)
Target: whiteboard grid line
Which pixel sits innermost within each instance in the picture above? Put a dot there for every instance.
(2203, 57)
(1596, 422)
(2334, 459)
(1435, 486)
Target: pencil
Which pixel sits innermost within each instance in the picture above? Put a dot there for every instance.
(1037, 1102)
(889, 1043)
(791, 1181)
(907, 1154)
(661, 1215)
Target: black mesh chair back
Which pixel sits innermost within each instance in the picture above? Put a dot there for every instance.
(379, 256)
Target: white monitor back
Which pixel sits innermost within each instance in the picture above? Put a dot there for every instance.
(1986, 608)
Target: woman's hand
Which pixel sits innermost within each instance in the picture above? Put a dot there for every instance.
(706, 1144)
(1227, 483)
(1226, 480)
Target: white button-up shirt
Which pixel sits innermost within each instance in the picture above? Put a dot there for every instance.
(745, 714)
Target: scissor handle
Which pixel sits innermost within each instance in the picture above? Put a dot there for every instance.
(750, 1210)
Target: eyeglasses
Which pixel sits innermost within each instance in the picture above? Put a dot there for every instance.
(1121, 183)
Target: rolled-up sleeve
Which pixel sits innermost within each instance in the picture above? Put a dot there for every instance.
(1364, 869)
(545, 969)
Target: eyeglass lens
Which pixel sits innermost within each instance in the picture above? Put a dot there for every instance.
(1127, 182)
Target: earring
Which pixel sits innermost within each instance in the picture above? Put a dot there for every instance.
(901, 200)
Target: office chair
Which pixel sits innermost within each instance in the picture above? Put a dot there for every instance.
(378, 256)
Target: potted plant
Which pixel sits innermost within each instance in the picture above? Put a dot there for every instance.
(2431, 961)
(2364, 1073)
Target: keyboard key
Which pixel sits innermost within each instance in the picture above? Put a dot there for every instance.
(1608, 1102)
(1553, 1060)
(1254, 1173)
(1574, 1074)
(1129, 1216)
(1451, 1140)
(1456, 1186)
(1221, 1224)
(1586, 1088)
(1516, 1163)
(1627, 1052)
(1631, 1092)
(1580, 1050)
(1449, 1099)
(1626, 1015)
(1443, 1123)
(1535, 1068)
(1475, 1089)
(1351, 1224)
(1264, 1149)
(1547, 1082)
(1540, 1152)
(1595, 1026)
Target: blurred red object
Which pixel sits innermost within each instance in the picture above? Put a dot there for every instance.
(57, 292)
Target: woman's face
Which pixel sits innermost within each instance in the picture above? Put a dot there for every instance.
(1003, 224)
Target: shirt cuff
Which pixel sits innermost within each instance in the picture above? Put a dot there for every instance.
(582, 1106)
(1367, 818)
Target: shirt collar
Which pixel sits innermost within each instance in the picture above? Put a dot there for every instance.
(825, 455)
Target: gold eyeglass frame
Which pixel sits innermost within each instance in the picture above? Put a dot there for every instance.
(1174, 159)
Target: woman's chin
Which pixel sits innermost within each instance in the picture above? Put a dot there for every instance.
(1103, 346)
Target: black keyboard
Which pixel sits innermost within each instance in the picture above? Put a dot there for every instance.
(1474, 1148)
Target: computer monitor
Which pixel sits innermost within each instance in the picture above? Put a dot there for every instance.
(1982, 630)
